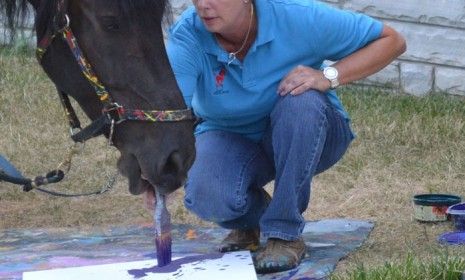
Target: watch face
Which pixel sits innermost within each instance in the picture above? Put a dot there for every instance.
(330, 73)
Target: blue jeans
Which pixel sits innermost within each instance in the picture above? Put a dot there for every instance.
(306, 136)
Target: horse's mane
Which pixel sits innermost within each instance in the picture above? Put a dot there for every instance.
(15, 12)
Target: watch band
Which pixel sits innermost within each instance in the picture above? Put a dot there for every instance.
(331, 74)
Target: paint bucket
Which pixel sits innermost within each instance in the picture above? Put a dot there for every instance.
(457, 214)
(433, 207)
(452, 238)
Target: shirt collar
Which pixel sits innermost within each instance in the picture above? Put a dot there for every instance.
(265, 31)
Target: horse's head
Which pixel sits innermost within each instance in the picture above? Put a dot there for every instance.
(123, 41)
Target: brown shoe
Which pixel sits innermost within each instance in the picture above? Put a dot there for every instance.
(243, 239)
(279, 255)
(240, 240)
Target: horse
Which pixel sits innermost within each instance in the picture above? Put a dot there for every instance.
(122, 41)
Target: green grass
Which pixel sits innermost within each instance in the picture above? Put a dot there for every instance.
(439, 268)
(423, 135)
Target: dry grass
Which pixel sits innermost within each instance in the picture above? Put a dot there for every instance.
(405, 145)
(34, 136)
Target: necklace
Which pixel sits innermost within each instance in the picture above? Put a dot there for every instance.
(232, 55)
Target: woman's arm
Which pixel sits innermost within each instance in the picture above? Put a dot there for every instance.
(372, 58)
(358, 65)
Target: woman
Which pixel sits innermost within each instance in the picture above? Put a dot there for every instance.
(253, 72)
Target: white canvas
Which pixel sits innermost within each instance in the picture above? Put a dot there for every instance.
(232, 266)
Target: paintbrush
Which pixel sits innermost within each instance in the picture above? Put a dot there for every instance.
(162, 230)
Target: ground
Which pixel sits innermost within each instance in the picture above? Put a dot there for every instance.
(404, 146)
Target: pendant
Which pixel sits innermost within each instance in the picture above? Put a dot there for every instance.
(231, 58)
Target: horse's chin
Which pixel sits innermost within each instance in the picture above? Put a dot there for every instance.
(140, 182)
(145, 184)
(141, 187)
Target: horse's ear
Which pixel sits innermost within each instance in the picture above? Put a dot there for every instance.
(34, 3)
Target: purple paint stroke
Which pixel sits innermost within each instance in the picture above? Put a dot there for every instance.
(174, 265)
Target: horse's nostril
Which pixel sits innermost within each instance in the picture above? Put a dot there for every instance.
(173, 164)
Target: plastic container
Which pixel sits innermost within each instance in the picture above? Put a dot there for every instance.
(457, 214)
(452, 238)
(8, 168)
(433, 207)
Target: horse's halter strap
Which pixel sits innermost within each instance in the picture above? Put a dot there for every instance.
(112, 112)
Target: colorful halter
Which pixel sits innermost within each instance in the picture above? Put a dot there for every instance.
(112, 112)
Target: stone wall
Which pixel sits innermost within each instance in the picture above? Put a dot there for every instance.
(435, 34)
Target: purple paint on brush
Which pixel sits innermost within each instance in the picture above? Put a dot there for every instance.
(163, 245)
(174, 265)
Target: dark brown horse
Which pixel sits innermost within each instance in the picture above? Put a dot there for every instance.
(123, 41)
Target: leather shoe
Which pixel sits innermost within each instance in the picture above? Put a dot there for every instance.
(243, 239)
(279, 255)
(240, 240)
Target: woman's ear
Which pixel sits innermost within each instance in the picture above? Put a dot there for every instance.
(34, 3)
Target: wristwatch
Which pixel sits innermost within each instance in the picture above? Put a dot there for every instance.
(331, 74)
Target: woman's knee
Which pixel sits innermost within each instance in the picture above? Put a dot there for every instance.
(308, 105)
(311, 99)
(212, 203)
(295, 113)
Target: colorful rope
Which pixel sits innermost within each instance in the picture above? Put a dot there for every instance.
(85, 66)
(103, 94)
(156, 116)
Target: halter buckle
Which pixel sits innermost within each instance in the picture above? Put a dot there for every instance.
(74, 130)
(60, 29)
(114, 113)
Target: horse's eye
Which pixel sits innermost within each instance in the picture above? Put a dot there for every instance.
(110, 23)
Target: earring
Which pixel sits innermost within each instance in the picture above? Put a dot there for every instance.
(246, 1)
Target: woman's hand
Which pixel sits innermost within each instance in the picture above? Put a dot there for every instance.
(301, 79)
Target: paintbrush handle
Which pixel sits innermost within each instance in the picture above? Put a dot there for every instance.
(161, 215)
(162, 230)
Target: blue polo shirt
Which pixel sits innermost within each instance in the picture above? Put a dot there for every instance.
(240, 96)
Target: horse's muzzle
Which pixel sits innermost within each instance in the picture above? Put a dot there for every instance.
(166, 176)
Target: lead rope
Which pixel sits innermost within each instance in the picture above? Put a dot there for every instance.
(63, 168)
(56, 176)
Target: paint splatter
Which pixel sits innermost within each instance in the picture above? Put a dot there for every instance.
(174, 265)
(40, 249)
(191, 234)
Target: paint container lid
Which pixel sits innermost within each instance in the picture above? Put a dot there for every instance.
(457, 209)
(452, 238)
(436, 199)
